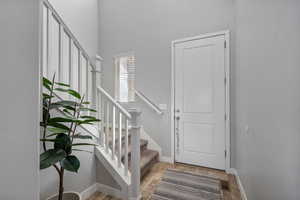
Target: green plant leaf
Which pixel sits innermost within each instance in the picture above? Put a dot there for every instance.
(62, 84)
(56, 130)
(61, 90)
(82, 150)
(89, 121)
(86, 102)
(53, 134)
(70, 163)
(46, 81)
(47, 96)
(74, 94)
(49, 140)
(58, 125)
(63, 119)
(87, 109)
(88, 117)
(51, 157)
(67, 112)
(83, 144)
(63, 141)
(63, 104)
(47, 86)
(69, 108)
(79, 136)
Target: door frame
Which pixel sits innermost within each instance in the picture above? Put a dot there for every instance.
(226, 34)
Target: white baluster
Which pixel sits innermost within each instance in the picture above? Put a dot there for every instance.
(45, 40)
(135, 153)
(126, 147)
(60, 52)
(49, 40)
(102, 110)
(70, 60)
(99, 116)
(120, 140)
(107, 127)
(87, 82)
(113, 141)
(79, 71)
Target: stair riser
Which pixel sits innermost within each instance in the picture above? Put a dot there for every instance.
(147, 168)
(143, 148)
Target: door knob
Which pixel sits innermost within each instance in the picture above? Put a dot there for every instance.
(178, 111)
(177, 118)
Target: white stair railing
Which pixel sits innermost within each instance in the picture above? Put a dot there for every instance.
(117, 137)
(63, 55)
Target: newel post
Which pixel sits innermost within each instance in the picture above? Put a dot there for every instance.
(135, 132)
(97, 73)
(97, 76)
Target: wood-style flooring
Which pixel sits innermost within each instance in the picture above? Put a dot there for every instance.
(150, 181)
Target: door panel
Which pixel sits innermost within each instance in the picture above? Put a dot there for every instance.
(200, 102)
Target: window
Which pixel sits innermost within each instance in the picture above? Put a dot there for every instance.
(125, 78)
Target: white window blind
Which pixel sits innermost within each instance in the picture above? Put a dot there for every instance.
(125, 78)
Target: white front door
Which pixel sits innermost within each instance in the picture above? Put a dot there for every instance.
(200, 101)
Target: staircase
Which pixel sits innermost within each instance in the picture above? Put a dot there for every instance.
(122, 151)
(120, 148)
(148, 157)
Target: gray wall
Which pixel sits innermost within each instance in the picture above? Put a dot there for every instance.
(148, 27)
(265, 78)
(19, 86)
(267, 98)
(81, 16)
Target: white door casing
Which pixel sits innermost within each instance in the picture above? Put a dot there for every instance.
(201, 101)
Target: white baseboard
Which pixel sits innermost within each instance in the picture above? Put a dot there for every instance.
(98, 187)
(234, 172)
(89, 191)
(166, 159)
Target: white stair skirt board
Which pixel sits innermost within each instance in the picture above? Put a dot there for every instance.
(112, 166)
(98, 187)
(152, 144)
(234, 172)
(89, 191)
(118, 173)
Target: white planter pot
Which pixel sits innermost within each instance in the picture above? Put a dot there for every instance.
(67, 196)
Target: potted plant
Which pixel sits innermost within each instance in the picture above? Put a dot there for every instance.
(61, 133)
